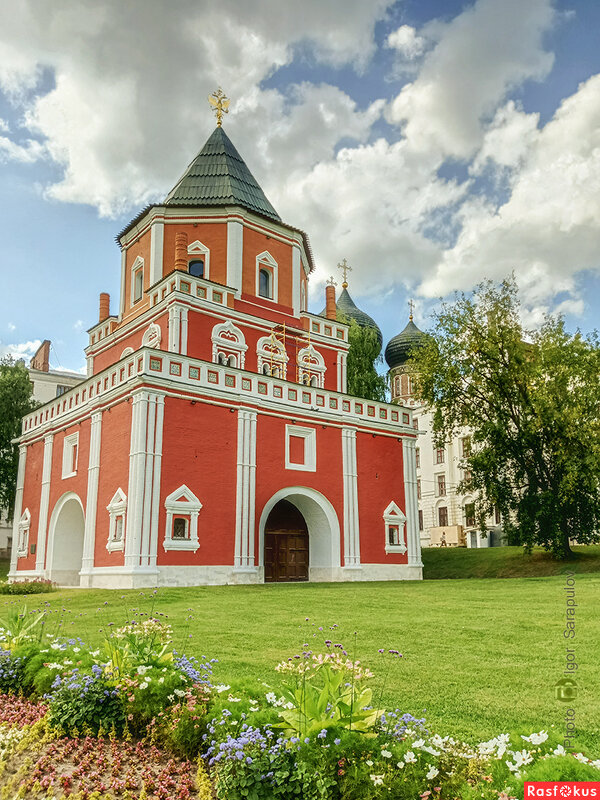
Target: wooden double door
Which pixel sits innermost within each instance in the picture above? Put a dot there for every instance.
(286, 544)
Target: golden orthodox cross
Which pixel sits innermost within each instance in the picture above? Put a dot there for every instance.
(344, 266)
(331, 282)
(220, 102)
(411, 306)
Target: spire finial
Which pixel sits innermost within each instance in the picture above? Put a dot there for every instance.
(346, 268)
(411, 306)
(331, 282)
(220, 102)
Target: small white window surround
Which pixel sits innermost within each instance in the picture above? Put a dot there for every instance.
(117, 509)
(137, 289)
(152, 336)
(309, 435)
(228, 341)
(182, 504)
(271, 357)
(198, 250)
(265, 260)
(395, 522)
(70, 455)
(311, 367)
(23, 534)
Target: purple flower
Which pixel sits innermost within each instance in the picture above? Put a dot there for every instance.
(337, 741)
(322, 735)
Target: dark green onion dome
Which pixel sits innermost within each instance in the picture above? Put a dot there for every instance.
(346, 307)
(399, 348)
(218, 176)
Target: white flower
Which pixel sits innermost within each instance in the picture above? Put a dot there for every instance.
(179, 692)
(233, 699)
(144, 685)
(369, 763)
(559, 751)
(53, 666)
(409, 758)
(432, 772)
(55, 646)
(377, 779)
(386, 754)
(161, 680)
(430, 750)
(271, 698)
(400, 765)
(76, 649)
(419, 743)
(222, 688)
(171, 697)
(522, 757)
(536, 738)
(581, 757)
(141, 670)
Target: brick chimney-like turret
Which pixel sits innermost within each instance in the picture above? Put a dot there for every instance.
(181, 253)
(330, 307)
(41, 359)
(104, 306)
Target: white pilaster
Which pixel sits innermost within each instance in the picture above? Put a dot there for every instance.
(184, 332)
(137, 468)
(123, 280)
(235, 243)
(350, 483)
(18, 509)
(413, 539)
(246, 491)
(157, 240)
(149, 537)
(156, 478)
(91, 505)
(42, 532)
(174, 329)
(296, 270)
(341, 371)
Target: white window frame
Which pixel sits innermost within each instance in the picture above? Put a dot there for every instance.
(223, 345)
(152, 336)
(182, 503)
(117, 509)
(310, 448)
(271, 350)
(22, 543)
(137, 265)
(394, 517)
(311, 363)
(198, 249)
(265, 259)
(69, 444)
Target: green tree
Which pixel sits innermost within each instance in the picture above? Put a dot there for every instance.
(15, 402)
(363, 356)
(531, 402)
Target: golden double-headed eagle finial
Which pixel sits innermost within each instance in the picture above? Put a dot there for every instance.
(220, 103)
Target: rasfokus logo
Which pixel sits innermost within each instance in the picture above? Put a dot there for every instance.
(560, 789)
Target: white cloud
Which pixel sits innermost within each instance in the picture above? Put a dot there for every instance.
(24, 350)
(406, 42)
(507, 139)
(479, 56)
(11, 327)
(549, 228)
(24, 153)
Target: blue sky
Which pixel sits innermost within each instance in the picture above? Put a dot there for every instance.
(432, 143)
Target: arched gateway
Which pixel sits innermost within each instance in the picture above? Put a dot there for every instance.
(299, 536)
(65, 542)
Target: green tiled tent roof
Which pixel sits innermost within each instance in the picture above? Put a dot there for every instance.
(218, 176)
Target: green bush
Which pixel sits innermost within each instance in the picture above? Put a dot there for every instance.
(36, 586)
(85, 704)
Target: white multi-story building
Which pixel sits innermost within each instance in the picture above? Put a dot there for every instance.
(445, 514)
(47, 385)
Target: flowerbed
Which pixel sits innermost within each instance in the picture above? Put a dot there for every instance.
(138, 718)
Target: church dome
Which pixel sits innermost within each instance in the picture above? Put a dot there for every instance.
(346, 307)
(399, 348)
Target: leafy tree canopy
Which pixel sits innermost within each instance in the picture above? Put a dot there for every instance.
(363, 356)
(531, 401)
(15, 402)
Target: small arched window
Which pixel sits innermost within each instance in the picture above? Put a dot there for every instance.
(196, 267)
(264, 283)
(138, 285)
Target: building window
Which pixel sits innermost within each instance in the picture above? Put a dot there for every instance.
(467, 476)
(183, 508)
(271, 357)
(470, 515)
(137, 280)
(420, 520)
(266, 276)
(394, 522)
(117, 510)
(61, 390)
(300, 448)
(440, 455)
(416, 423)
(418, 489)
(264, 282)
(311, 367)
(441, 485)
(465, 446)
(23, 534)
(228, 345)
(70, 453)
(196, 267)
(418, 457)
(443, 516)
(497, 515)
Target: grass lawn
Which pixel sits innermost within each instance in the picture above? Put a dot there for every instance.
(480, 656)
(504, 562)
(4, 567)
